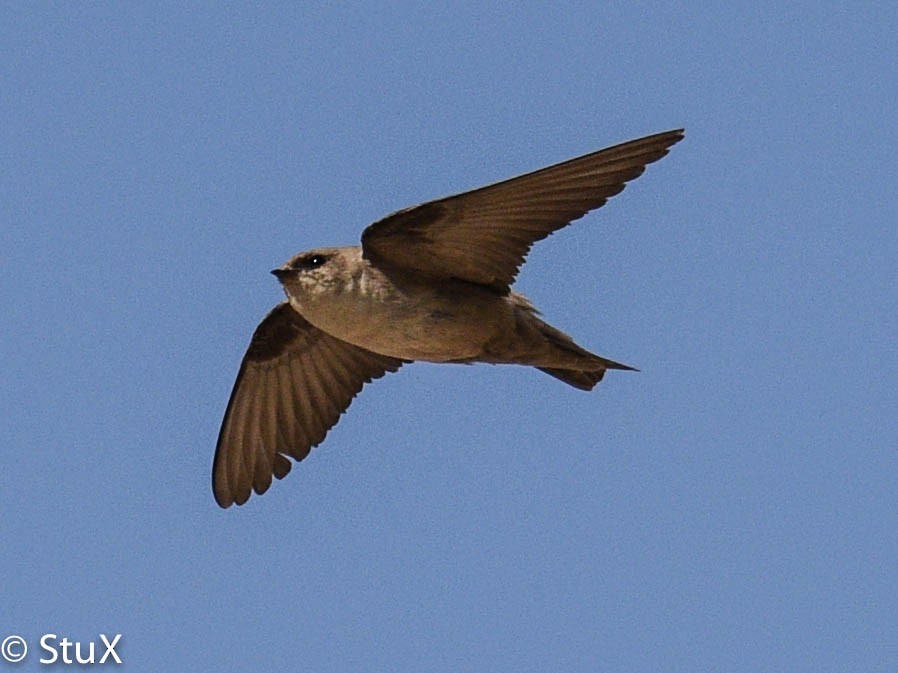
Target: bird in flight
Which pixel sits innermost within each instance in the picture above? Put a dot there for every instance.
(431, 282)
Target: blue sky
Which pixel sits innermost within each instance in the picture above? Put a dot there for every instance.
(732, 507)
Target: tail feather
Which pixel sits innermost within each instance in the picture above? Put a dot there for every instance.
(580, 380)
(585, 379)
(552, 351)
(592, 367)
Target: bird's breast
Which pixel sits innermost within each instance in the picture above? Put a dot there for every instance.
(413, 321)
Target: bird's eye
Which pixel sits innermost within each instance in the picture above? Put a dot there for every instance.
(310, 262)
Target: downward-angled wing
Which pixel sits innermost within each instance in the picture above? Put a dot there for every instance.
(293, 384)
(483, 236)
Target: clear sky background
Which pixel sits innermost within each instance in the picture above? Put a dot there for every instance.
(733, 507)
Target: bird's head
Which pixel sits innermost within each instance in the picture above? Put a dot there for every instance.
(314, 274)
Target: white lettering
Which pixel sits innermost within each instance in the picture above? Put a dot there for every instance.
(110, 647)
(49, 648)
(85, 653)
(89, 659)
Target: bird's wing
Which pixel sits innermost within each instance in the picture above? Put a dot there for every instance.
(293, 384)
(483, 236)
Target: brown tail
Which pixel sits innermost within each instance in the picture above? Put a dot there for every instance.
(552, 351)
(594, 366)
(583, 380)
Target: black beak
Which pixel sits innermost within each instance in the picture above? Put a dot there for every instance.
(283, 273)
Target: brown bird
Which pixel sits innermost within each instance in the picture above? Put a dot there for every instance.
(431, 282)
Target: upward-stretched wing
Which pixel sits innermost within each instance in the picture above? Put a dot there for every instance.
(293, 384)
(483, 236)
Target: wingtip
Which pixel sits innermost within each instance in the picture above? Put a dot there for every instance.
(670, 138)
(674, 136)
(220, 500)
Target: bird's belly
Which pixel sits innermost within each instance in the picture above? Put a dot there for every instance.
(429, 328)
